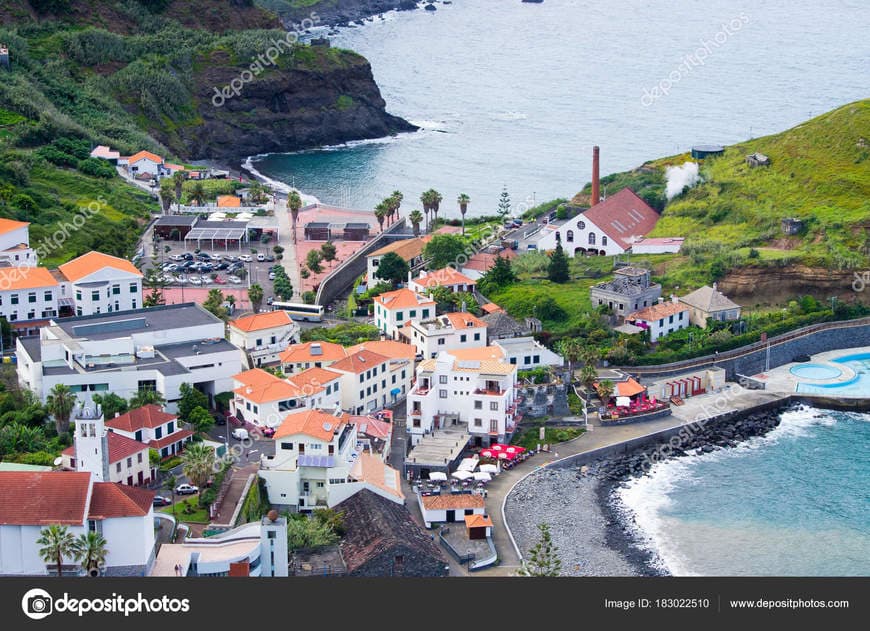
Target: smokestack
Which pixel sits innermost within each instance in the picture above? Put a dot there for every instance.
(596, 185)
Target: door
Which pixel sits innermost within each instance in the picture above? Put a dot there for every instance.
(129, 480)
(141, 478)
(451, 515)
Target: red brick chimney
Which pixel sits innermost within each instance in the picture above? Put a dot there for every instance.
(596, 185)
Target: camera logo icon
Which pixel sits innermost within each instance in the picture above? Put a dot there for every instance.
(37, 604)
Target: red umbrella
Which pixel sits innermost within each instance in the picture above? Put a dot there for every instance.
(488, 453)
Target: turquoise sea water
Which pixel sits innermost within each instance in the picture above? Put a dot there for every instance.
(517, 93)
(795, 502)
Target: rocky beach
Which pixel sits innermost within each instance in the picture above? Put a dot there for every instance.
(596, 535)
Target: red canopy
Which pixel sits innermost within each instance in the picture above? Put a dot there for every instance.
(488, 453)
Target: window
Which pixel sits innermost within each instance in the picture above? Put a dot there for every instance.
(536, 359)
(581, 224)
(31, 297)
(158, 433)
(662, 322)
(671, 319)
(170, 427)
(493, 406)
(129, 462)
(527, 360)
(134, 303)
(362, 378)
(287, 446)
(478, 422)
(31, 315)
(134, 287)
(13, 299)
(442, 378)
(79, 295)
(477, 337)
(591, 238)
(258, 342)
(362, 394)
(48, 296)
(442, 394)
(603, 240)
(478, 405)
(399, 316)
(514, 360)
(463, 338)
(413, 313)
(139, 435)
(569, 236)
(425, 313)
(493, 426)
(116, 290)
(441, 341)
(139, 458)
(117, 467)
(320, 485)
(95, 295)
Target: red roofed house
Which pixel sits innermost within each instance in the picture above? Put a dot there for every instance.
(30, 501)
(609, 227)
(661, 319)
(448, 277)
(445, 333)
(264, 335)
(298, 357)
(145, 162)
(264, 399)
(151, 425)
(366, 383)
(28, 297)
(101, 283)
(15, 247)
(394, 308)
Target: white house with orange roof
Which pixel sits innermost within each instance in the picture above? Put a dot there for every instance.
(28, 297)
(318, 464)
(106, 153)
(299, 357)
(366, 383)
(446, 332)
(101, 283)
(145, 162)
(265, 399)
(409, 250)
(401, 367)
(661, 319)
(263, 336)
(15, 248)
(154, 427)
(448, 277)
(394, 308)
(472, 388)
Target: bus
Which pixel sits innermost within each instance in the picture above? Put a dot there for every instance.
(300, 311)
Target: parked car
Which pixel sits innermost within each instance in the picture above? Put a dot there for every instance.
(235, 280)
(245, 258)
(240, 433)
(159, 500)
(270, 300)
(261, 258)
(230, 258)
(271, 275)
(195, 280)
(176, 257)
(268, 432)
(270, 258)
(219, 419)
(186, 489)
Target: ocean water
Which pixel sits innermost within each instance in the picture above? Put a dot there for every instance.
(516, 94)
(793, 503)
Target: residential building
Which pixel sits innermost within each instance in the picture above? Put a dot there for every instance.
(151, 425)
(316, 464)
(145, 162)
(400, 373)
(30, 501)
(609, 227)
(394, 308)
(15, 249)
(445, 333)
(527, 353)
(409, 250)
(28, 297)
(630, 290)
(299, 357)
(110, 456)
(366, 383)
(448, 277)
(264, 335)
(661, 319)
(481, 262)
(264, 399)
(373, 435)
(500, 326)
(100, 283)
(470, 388)
(106, 153)
(450, 507)
(381, 539)
(157, 348)
(657, 245)
(708, 303)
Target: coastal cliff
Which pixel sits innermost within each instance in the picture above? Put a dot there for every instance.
(336, 12)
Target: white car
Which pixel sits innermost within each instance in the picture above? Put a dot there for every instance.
(176, 257)
(195, 280)
(261, 258)
(235, 280)
(240, 433)
(246, 258)
(186, 489)
(271, 275)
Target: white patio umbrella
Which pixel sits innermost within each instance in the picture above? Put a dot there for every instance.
(461, 475)
(438, 476)
(482, 476)
(489, 468)
(468, 464)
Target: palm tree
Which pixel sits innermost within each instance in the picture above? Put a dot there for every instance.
(396, 198)
(416, 218)
(178, 180)
(294, 202)
(231, 301)
(572, 350)
(56, 542)
(426, 200)
(463, 201)
(605, 391)
(381, 212)
(166, 199)
(197, 193)
(147, 397)
(90, 550)
(436, 203)
(197, 463)
(60, 403)
(255, 295)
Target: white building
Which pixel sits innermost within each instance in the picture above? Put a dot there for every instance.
(657, 245)
(264, 399)
(365, 382)
(15, 249)
(450, 507)
(28, 297)
(157, 348)
(527, 353)
(110, 456)
(661, 319)
(448, 277)
(315, 464)
(445, 333)
(400, 373)
(144, 163)
(630, 290)
(264, 335)
(30, 501)
(100, 283)
(394, 308)
(470, 388)
(609, 227)
(299, 357)
(409, 250)
(151, 425)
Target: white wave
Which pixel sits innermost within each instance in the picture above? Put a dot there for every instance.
(510, 116)
(283, 187)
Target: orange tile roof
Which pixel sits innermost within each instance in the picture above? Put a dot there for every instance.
(314, 377)
(403, 299)
(491, 307)
(229, 201)
(459, 320)
(120, 447)
(8, 225)
(449, 501)
(407, 249)
(276, 390)
(444, 277)
(146, 416)
(301, 353)
(143, 155)
(261, 321)
(628, 388)
(359, 362)
(14, 278)
(372, 470)
(373, 427)
(482, 353)
(657, 312)
(388, 348)
(313, 423)
(255, 377)
(174, 167)
(93, 262)
(174, 437)
(109, 499)
(42, 498)
(478, 521)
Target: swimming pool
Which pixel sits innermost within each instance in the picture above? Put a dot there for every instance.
(858, 386)
(816, 371)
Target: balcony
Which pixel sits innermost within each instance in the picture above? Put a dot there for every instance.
(492, 392)
(416, 412)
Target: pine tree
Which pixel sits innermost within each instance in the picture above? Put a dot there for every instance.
(557, 270)
(543, 558)
(504, 203)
